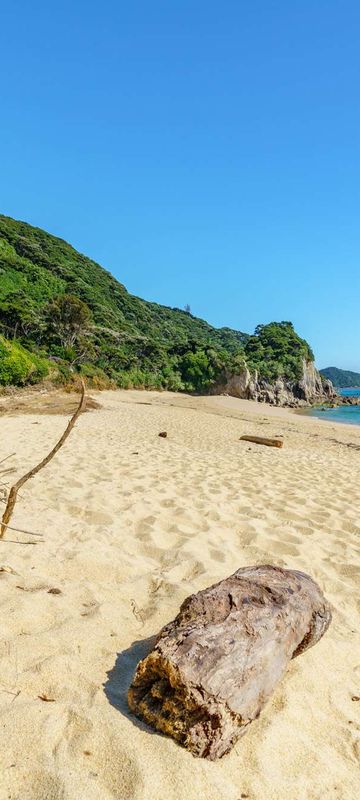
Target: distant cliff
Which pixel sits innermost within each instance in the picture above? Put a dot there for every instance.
(309, 389)
(342, 378)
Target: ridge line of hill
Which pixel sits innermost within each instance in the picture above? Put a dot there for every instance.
(62, 313)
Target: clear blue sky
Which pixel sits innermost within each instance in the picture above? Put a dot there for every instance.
(205, 152)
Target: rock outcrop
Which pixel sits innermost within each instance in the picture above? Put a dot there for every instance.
(344, 401)
(308, 390)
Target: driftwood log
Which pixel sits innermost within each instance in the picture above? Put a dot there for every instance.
(263, 440)
(214, 667)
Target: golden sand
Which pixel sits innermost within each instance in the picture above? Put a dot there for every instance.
(132, 524)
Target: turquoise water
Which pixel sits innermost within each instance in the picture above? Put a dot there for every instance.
(348, 414)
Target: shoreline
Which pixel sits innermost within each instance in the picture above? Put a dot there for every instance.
(321, 416)
(49, 399)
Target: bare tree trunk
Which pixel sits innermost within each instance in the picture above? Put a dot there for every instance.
(214, 667)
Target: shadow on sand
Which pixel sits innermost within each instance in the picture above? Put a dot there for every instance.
(120, 676)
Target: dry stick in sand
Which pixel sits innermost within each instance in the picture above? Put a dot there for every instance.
(6, 458)
(10, 505)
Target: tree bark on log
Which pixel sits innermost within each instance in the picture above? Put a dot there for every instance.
(263, 440)
(214, 667)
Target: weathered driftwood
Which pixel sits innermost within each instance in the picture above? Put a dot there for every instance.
(263, 440)
(214, 667)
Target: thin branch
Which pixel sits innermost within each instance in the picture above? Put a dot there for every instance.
(15, 541)
(6, 457)
(15, 488)
(6, 484)
(20, 530)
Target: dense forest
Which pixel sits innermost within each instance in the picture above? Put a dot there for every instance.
(63, 314)
(342, 378)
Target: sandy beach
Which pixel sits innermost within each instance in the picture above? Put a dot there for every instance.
(131, 524)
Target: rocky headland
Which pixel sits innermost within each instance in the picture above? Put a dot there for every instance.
(309, 389)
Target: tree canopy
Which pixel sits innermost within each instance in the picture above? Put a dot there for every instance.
(277, 351)
(61, 306)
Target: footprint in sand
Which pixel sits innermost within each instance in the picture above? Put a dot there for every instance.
(217, 555)
(283, 548)
(349, 527)
(285, 535)
(213, 516)
(92, 517)
(168, 503)
(43, 785)
(350, 571)
(124, 778)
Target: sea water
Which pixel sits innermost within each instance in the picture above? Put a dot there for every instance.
(348, 414)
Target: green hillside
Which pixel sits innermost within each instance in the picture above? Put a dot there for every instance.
(342, 378)
(61, 306)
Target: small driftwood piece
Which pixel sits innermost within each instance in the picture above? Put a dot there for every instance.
(10, 505)
(214, 667)
(263, 440)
